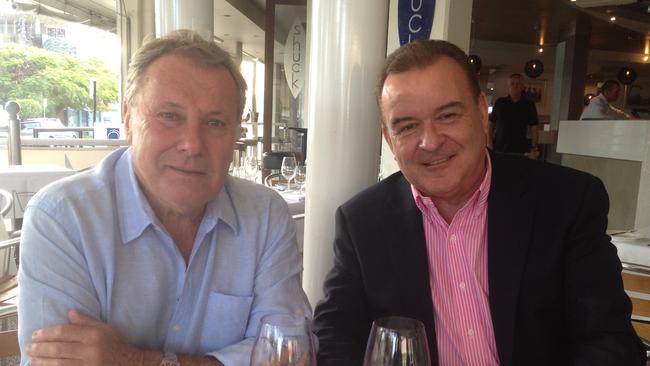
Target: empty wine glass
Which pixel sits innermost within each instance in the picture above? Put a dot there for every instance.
(288, 169)
(284, 340)
(301, 176)
(397, 341)
(250, 167)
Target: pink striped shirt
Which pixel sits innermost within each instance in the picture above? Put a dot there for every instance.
(459, 279)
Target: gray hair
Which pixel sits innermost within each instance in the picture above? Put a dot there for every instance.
(189, 44)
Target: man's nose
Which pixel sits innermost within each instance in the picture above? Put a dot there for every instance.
(191, 138)
(430, 137)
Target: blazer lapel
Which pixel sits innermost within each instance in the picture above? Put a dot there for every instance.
(409, 259)
(510, 222)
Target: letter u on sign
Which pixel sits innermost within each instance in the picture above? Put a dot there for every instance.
(414, 19)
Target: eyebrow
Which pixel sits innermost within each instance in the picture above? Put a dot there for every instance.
(181, 106)
(441, 108)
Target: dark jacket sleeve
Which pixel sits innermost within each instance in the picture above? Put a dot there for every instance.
(341, 321)
(597, 308)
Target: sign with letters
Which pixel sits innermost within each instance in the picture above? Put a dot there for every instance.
(295, 51)
(414, 19)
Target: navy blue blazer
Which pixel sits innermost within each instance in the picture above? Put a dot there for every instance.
(555, 289)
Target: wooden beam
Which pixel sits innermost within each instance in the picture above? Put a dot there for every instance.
(291, 2)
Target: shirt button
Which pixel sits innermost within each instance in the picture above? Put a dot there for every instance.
(177, 328)
(452, 238)
(461, 285)
(470, 332)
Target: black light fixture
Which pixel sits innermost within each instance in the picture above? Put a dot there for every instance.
(534, 68)
(588, 98)
(626, 75)
(475, 61)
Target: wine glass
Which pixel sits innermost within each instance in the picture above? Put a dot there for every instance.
(301, 176)
(250, 167)
(396, 340)
(284, 340)
(288, 169)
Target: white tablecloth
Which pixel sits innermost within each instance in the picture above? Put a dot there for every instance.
(23, 181)
(296, 203)
(632, 248)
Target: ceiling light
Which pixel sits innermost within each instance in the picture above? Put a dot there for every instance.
(612, 19)
(540, 50)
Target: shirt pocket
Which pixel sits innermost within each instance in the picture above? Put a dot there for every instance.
(226, 319)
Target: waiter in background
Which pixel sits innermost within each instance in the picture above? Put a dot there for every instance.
(513, 120)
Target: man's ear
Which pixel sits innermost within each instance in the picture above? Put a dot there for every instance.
(127, 122)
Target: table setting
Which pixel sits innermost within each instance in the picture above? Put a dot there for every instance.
(633, 246)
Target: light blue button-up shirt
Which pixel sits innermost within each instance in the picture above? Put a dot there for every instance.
(92, 242)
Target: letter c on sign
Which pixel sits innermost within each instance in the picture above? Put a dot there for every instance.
(414, 30)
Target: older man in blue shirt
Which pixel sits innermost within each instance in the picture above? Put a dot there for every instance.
(157, 256)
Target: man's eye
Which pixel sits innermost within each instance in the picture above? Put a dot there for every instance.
(168, 116)
(216, 123)
(448, 116)
(405, 128)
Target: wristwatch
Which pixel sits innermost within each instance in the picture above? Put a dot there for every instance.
(170, 359)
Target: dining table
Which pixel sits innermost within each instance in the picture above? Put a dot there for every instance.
(633, 247)
(296, 202)
(23, 181)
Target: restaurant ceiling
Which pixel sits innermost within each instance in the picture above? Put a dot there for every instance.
(514, 21)
(530, 21)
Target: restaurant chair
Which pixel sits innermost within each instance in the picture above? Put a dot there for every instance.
(636, 281)
(6, 203)
(8, 277)
(274, 179)
(9, 344)
(272, 160)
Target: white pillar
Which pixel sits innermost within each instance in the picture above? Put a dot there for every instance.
(135, 22)
(452, 21)
(197, 15)
(347, 45)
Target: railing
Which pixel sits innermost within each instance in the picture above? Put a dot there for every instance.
(27, 142)
(78, 130)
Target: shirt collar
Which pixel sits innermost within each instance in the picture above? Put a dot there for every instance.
(135, 212)
(477, 202)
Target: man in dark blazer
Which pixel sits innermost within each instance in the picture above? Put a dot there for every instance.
(553, 292)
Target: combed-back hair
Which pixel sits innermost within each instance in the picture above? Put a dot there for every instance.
(422, 53)
(188, 44)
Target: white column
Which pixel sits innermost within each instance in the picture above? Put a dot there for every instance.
(197, 15)
(452, 21)
(347, 45)
(135, 22)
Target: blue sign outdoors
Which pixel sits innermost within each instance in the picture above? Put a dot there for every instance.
(112, 133)
(414, 19)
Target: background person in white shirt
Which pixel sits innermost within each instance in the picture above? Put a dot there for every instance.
(600, 106)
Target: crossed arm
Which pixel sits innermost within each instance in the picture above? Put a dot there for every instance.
(85, 341)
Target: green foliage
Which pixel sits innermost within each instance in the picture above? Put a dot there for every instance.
(29, 74)
(30, 108)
